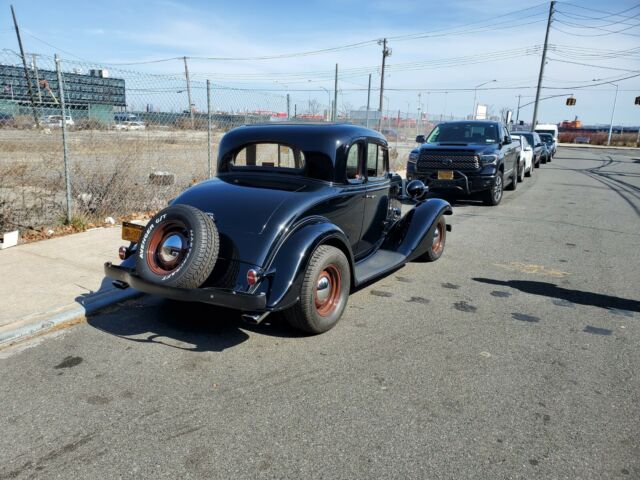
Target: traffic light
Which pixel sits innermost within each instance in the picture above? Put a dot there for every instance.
(572, 101)
(637, 101)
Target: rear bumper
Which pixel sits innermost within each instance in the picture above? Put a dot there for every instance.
(214, 296)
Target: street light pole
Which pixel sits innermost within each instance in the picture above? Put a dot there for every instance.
(475, 94)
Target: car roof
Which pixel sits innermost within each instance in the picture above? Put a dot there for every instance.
(322, 137)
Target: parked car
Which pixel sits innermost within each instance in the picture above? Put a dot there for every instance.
(55, 121)
(550, 128)
(7, 120)
(125, 117)
(526, 156)
(130, 126)
(551, 144)
(582, 140)
(393, 135)
(546, 153)
(467, 157)
(536, 144)
(296, 217)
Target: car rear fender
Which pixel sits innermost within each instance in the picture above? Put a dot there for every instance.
(413, 234)
(287, 266)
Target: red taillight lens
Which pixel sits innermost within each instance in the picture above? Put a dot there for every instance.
(252, 277)
(122, 252)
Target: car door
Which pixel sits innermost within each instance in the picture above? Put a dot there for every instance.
(507, 153)
(376, 206)
(347, 209)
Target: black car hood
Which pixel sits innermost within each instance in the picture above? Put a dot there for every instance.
(477, 148)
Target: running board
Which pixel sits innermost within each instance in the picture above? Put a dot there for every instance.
(381, 262)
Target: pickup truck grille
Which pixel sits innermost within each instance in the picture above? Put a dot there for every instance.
(447, 160)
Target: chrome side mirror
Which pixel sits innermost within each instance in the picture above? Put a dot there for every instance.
(416, 189)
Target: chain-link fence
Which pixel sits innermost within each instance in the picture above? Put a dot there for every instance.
(111, 142)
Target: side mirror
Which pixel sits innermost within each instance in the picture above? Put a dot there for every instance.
(420, 139)
(506, 140)
(416, 189)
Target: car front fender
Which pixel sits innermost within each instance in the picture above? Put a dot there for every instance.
(413, 234)
(286, 268)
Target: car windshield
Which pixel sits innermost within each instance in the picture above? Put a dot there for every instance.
(269, 155)
(541, 132)
(464, 133)
(529, 137)
(546, 138)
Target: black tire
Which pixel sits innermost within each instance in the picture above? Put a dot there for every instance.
(549, 158)
(313, 314)
(543, 160)
(493, 196)
(521, 172)
(536, 164)
(514, 181)
(530, 172)
(178, 247)
(438, 243)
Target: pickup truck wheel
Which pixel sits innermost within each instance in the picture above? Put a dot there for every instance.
(324, 293)
(493, 196)
(438, 242)
(178, 247)
(514, 181)
(536, 163)
(530, 172)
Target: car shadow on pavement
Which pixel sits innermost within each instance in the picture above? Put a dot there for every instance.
(194, 327)
(581, 297)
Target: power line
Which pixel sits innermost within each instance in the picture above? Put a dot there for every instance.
(608, 14)
(592, 65)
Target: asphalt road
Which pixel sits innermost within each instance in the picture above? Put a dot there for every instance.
(514, 356)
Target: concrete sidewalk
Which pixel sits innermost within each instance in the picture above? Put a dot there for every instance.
(53, 281)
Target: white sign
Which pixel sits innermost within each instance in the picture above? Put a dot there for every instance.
(481, 112)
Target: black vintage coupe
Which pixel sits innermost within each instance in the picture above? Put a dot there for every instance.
(297, 217)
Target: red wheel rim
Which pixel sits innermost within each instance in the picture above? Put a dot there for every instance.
(168, 245)
(438, 239)
(327, 290)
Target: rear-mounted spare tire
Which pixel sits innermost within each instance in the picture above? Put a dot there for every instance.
(178, 247)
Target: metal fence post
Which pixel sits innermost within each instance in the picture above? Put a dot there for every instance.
(209, 126)
(67, 177)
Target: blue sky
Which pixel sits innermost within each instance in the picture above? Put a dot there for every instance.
(132, 31)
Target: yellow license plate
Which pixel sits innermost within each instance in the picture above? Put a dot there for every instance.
(131, 232)
(445, 174)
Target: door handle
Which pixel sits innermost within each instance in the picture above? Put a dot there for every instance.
(369, 196)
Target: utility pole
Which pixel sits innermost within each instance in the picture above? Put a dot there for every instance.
(34, 56)
(288, 106)
(334, 112)
(368, 100)
(518, 110)
(386, 52)
(613, 112)
(418, 120)
(542, 62)
(26, 70)
(186, 75)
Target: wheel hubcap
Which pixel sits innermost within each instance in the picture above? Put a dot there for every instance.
(497, 189)
(168, 247)
(438, 239)
(327, 291)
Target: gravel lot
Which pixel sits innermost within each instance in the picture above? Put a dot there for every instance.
(514, 356)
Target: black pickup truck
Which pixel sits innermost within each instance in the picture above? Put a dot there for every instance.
(467, 157)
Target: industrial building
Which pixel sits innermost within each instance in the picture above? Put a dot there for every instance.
(92, 95)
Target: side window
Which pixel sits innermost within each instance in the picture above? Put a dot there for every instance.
(376, 161)
(353, 162)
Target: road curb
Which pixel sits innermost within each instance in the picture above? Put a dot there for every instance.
(41, 323)
(599, 147)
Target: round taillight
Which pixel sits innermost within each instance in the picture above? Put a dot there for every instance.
(122, 252)
(252, 277)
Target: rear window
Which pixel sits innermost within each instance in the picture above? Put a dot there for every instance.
(269, 156)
